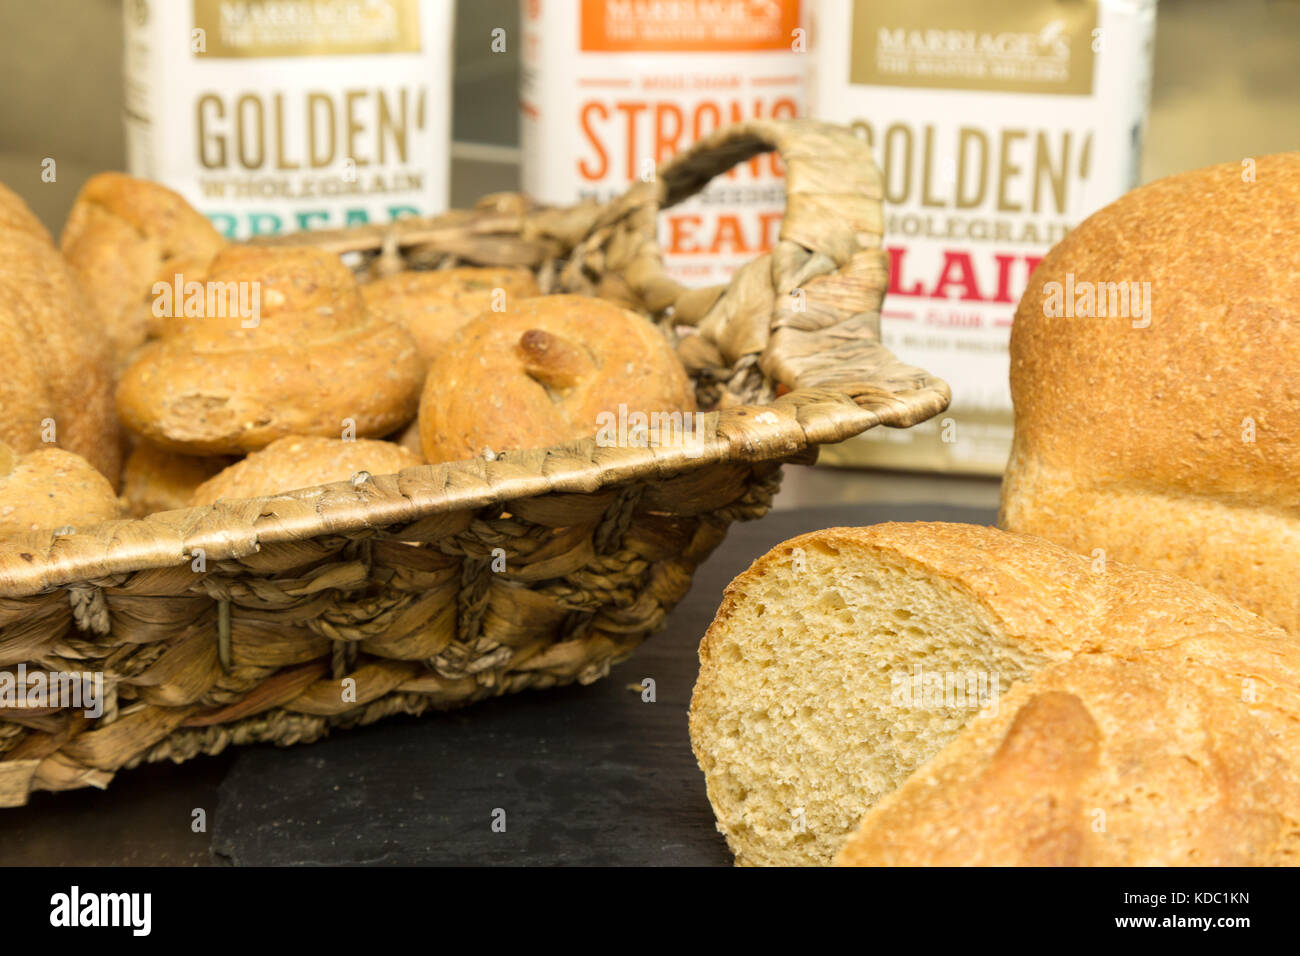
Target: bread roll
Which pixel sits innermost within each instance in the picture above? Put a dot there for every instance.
(542, 373)
(843, 661)
(57, 386)
(52, 488)
(409, 438)
(123, 235)
(1170, 440)
(314, 362)
(155, 479)
(293, 463)
(433, 304)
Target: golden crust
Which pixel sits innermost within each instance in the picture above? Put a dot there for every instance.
(433, 304)
(58, 369)
(1043, 593)
(294, 462)
(541, 373)
(51, 488)
(16, 217)
(1174, 446)
(1101, 761)
(315, 363)
(124, 234)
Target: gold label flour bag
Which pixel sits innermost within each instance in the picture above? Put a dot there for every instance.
(610, 88)
(998, 125)
(277, 115)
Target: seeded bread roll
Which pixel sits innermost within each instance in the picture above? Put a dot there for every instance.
(1171, 439)
(123, 235)
(293, 463)
(542, 373)
(155, 479)
(52, 488)
(433, 304)
(842, 661)
(313, 362)
(57, 386)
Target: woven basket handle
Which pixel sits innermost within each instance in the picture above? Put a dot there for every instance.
(806, 314)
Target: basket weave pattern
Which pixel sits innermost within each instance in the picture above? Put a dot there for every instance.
(280, 618)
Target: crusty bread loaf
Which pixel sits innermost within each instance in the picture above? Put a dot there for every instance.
(155, 479)
(1105, 760)
(123, 235)
(293, 463)
(542, 373)
(314, 362)
(52, 488)
(842, 661)
(1170, 440)
(433, 304)
(57, 386)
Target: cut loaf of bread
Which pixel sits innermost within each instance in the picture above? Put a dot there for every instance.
(842, 661)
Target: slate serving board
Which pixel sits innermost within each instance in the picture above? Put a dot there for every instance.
(581, 775)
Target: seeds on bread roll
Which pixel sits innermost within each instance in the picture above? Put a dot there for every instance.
(57, 386)
(542, 373)
(123, 235)
(292, 463)
(843, 660)
(313, 363)
(51, 488)
(155, 479)
(1170, 440)
(433, 304)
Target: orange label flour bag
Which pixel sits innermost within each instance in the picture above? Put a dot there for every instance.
(611, 88)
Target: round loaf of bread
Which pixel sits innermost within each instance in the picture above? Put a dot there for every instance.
(295, 462)
(1153, 363)
(855, 668)
(123, 235)
(544, 372)
(433, 304)
(52, 488)
(312, 361)
(57, 386)
(155, 479)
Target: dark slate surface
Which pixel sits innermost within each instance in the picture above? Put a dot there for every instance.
(586, 775)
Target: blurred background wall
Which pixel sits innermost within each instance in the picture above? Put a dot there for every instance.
(1226, 85)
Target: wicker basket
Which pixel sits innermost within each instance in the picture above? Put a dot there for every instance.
(278, 619)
